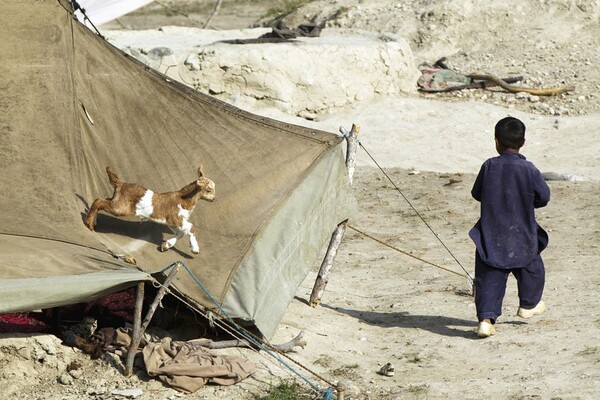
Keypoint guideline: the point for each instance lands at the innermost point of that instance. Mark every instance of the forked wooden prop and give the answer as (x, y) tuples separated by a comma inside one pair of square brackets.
[(338, 234)]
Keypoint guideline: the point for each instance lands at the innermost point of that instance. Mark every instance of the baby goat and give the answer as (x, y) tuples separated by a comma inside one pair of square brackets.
[(170, 208)]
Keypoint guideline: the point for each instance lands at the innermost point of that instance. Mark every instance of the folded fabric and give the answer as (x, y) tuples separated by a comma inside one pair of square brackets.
[(187, 368)]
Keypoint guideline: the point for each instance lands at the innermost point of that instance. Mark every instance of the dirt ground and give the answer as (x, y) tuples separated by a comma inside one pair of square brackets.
[(382, 306)]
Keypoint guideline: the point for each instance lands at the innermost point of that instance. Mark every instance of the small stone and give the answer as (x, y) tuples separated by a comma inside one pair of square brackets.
[(47, 343), (25, 353), (129, 393), (522, 95), (159, 52), (541, 106), (192, 62), (65, 379), (76, 373)]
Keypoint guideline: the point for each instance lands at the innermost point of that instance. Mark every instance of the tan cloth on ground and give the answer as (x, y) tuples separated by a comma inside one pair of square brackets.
[(187, 368)]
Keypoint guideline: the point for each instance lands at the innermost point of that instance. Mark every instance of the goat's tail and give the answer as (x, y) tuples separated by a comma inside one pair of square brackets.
[(112, 177)]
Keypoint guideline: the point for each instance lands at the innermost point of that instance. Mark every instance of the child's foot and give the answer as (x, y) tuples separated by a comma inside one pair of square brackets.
[(528, 313), (485, 329)]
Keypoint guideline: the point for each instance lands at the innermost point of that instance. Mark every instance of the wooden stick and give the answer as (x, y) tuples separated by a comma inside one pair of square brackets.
[(324, 271), (338, 234), (161, 293), (340, 389), (516, 89), (136, 334), (475, 84), (286, 347), (211, 16), (138, 330)]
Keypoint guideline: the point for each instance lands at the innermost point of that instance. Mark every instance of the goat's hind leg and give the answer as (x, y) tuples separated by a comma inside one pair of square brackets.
[(97, 205)]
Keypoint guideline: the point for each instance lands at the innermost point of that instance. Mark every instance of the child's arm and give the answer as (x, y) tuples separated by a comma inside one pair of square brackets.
[(541, 191), (478, 185)]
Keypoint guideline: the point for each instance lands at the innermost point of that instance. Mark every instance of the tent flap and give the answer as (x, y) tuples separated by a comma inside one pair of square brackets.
[(20, 295)]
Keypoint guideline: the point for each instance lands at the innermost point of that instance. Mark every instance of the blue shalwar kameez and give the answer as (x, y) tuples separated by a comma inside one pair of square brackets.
[(507, 237)]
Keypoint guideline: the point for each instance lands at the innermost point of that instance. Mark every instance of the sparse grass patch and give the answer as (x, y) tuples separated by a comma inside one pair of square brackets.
[(591, 352), (418, 390), (324, 360), (286, 390), (414, 358), (346, 371)]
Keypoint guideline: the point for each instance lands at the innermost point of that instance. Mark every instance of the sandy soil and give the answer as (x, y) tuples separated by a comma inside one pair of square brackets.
[(383, 306)]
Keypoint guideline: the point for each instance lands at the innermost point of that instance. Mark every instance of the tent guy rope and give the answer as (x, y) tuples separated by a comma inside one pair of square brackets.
[(403, 252), (420, 216), (239, 332)]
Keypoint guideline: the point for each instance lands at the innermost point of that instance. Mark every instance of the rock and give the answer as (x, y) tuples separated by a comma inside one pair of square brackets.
[(159, 52), (542, 107), (48, 343), (129, 393), (24, 352), (76, 373), (65, 379), (192, 62)]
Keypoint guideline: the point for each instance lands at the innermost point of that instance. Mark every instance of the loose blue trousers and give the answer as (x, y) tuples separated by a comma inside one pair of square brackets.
[(490, 286)]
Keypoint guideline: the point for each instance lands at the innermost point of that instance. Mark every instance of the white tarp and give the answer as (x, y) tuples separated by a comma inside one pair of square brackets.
[(102, 11)]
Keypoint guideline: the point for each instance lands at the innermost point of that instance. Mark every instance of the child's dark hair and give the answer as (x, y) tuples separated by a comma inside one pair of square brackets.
[(510, 133)]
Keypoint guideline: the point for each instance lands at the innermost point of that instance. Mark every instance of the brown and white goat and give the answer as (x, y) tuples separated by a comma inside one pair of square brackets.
[(170, 208)]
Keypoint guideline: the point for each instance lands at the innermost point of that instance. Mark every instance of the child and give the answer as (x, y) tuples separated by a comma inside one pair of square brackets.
[(507, 237)]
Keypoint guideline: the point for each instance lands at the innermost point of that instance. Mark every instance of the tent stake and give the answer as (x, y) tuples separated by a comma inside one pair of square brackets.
[(139, 329), (340, 389), (336, 237)]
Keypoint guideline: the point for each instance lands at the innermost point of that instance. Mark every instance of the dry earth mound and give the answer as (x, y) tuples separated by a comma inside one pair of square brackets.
[(548, 42)]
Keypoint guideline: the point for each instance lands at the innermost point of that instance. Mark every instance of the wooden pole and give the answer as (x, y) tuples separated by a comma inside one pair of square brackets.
[(161, 293), (338, 234), (138, 327), (340, 389), (211, 16), (135, 334)]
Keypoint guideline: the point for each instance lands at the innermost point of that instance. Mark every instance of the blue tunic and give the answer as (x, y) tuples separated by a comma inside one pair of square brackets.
[(509, 188)]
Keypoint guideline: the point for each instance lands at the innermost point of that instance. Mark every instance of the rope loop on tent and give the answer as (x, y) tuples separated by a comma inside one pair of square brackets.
[(75, 6), (250, 338), (418, 214)]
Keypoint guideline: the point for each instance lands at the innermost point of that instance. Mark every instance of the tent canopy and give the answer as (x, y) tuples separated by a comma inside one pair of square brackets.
[(72, 104)]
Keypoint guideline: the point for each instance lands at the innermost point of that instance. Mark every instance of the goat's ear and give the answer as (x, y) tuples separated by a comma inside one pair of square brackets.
[(200, 173)]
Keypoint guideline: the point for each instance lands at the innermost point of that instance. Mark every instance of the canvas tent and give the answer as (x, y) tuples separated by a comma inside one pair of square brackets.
[(72, 104)]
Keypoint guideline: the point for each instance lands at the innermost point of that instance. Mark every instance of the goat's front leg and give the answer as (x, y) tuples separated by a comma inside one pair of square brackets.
[(97, 205), (167, 244), (189, 230)]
